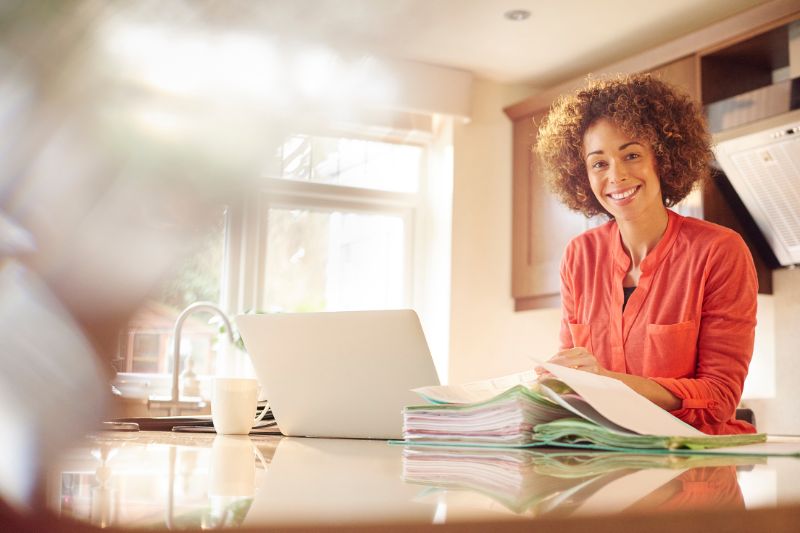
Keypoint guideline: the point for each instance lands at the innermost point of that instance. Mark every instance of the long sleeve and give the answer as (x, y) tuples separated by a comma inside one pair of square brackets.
[(725, 339)]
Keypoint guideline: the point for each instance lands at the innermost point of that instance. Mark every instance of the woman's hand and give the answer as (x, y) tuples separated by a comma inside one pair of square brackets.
[(578, 358), (582, 359)]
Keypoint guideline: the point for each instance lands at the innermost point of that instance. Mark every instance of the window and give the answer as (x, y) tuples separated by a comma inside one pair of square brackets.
[(145, 352), (352, 162), (318, 260), (337, 223), (356, 221)]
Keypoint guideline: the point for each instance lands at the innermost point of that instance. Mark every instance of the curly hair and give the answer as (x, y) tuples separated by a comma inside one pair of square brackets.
[(644, 107)]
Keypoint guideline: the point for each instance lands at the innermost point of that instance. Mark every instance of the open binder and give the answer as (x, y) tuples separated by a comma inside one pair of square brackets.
[(575, 409)]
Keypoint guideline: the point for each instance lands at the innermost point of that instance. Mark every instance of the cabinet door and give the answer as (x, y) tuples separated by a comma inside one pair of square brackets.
[(541, 225)]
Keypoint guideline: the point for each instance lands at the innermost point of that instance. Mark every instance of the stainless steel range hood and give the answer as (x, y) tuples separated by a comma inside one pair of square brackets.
[(762, 162), (757, 145)]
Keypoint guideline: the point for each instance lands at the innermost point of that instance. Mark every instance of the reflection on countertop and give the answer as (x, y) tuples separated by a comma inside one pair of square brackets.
[(580, 483), (160, 479), (178, 481)]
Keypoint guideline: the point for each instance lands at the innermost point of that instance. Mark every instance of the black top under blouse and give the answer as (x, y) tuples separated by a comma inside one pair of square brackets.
[(627, 291)]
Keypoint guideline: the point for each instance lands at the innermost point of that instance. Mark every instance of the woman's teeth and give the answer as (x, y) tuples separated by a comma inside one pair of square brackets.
[(624, 194)]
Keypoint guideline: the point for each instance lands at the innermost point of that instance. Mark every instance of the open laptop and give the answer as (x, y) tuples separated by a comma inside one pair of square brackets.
[(339, 374)]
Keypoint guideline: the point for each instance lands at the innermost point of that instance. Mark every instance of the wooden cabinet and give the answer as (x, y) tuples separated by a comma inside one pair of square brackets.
[(542, 226), (683, 73)]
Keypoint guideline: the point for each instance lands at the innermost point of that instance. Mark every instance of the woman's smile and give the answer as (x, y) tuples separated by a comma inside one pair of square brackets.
[(625, 196)]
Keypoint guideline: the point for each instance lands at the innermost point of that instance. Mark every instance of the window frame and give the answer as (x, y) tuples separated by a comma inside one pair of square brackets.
[(246, 240)]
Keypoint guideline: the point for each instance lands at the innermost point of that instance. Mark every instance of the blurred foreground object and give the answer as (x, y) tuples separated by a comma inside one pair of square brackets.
[(109, 165), (50, 385), (123, 127)]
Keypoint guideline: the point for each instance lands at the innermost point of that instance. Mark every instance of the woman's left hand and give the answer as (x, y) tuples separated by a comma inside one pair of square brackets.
[(578, 358)]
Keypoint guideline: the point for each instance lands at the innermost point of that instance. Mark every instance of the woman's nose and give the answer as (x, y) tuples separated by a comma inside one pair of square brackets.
[(617, 173)]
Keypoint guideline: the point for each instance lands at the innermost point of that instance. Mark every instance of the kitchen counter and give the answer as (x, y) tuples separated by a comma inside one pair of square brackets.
[(155, 480)]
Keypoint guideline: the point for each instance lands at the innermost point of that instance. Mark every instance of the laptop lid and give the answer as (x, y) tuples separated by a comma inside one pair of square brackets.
[(339, 374)]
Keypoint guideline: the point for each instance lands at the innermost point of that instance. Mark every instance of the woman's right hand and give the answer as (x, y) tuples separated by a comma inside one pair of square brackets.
[(578, 358)]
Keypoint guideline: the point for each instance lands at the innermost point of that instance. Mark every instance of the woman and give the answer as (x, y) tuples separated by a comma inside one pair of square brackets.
[(661, 302)]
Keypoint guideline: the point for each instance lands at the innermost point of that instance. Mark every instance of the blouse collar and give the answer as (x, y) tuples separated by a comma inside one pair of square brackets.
[(657, 254)]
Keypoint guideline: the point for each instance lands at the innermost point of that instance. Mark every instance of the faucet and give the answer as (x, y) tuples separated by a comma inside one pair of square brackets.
[(175, 404)]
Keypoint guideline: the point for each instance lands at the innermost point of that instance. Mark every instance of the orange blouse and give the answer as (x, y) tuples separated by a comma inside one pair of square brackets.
[(689, 325)]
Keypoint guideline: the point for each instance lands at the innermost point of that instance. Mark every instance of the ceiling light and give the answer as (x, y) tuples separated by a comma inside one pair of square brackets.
[(517, 14)]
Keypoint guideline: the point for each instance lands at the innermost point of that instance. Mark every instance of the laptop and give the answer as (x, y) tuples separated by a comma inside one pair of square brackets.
[(339, 374)]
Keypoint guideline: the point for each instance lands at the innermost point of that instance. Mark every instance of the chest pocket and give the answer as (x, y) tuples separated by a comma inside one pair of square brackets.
[(581, 336), (670, 350)]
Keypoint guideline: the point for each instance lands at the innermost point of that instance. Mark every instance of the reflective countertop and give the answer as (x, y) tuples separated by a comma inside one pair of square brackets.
[(177, 481)]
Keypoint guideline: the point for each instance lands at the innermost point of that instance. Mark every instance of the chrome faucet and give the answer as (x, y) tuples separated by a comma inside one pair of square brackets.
[(175, 404)]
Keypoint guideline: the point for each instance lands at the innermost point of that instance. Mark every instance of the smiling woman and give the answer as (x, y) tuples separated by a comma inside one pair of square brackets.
[(622, 173), (662, 302)]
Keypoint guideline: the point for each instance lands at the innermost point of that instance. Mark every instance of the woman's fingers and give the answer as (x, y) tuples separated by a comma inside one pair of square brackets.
[(578, 358), (571, 352), (572, 361)]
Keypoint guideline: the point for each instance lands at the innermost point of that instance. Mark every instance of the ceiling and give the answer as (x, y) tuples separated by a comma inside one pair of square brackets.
[(560, 40)]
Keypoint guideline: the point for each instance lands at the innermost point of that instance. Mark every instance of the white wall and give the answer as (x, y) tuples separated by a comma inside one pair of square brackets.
[(487, 338), (760, 382), (781, 414)]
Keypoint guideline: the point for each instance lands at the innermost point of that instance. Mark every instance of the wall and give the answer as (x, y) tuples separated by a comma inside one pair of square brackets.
[(487, 338), (781, 414)]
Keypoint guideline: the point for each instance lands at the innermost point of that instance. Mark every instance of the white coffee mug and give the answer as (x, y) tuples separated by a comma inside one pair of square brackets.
[(233, 405)]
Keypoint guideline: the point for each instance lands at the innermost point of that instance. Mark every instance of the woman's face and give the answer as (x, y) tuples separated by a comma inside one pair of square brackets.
[(622, 172)]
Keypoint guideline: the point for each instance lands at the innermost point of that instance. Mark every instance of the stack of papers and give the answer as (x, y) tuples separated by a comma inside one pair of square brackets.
[(574, 409), (508, 418)]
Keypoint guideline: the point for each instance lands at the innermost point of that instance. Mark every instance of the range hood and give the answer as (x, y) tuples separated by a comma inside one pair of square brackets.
[(757, 145), (762, 162)]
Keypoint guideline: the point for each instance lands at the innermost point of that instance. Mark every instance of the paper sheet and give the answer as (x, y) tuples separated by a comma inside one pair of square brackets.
[(580, 407), (476, 391), (621, 404)]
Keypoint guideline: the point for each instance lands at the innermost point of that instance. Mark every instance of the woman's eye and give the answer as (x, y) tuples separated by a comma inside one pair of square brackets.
[(632, 156), (598, 164)]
